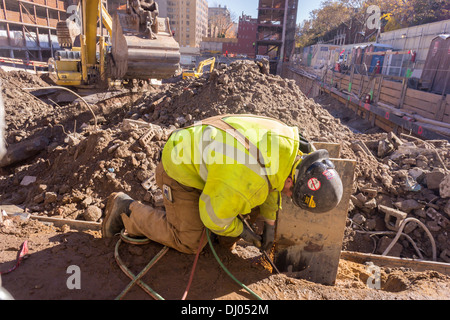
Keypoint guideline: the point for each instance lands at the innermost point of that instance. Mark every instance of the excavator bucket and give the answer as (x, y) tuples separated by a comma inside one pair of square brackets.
[(135, 55), (66, 31), (308, 245)]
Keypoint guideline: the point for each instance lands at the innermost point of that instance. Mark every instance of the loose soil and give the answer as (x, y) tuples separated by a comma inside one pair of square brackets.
[(78, 165)]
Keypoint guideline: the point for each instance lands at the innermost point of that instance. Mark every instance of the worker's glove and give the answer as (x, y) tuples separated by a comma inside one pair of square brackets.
[(251, 237), (268, 236)]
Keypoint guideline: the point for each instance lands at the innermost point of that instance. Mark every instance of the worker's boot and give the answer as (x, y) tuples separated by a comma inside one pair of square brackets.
[(117, 204)]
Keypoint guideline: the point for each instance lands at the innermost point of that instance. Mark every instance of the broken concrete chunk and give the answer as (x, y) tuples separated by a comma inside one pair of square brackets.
[(408, 205), (416, 173), (434, 179), (27, 180), (359, 219), (370, 192), (444, 187), (396, 141), (371, 204), (438, 218), (384, 148), (447, 208), (393, 218)]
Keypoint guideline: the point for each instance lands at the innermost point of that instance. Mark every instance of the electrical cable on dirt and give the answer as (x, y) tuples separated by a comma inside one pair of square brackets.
[(71, 91), (433, 244), (227, 271), (392, 232), (194, 265), (137, 279)]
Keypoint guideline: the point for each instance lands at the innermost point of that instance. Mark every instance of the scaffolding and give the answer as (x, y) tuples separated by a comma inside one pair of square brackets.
[(276, 31)]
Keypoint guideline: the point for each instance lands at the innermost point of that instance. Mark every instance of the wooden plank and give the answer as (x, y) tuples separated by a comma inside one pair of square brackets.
[(427, 106), (392, 85), (334, 149), (391, 92), (308, 245), (383, 124), (422, 95), (447, 106), (389, 100), (412, 109), (13, 210), (394, 262)]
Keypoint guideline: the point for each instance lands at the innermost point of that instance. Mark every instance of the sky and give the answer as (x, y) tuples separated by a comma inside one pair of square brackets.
[(249, 7)]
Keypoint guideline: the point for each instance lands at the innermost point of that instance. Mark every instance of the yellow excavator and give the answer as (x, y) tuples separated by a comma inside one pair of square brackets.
[(137, 44), (199, 71)]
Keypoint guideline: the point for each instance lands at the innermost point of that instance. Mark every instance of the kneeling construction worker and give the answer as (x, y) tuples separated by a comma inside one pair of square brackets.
[(220, 169)]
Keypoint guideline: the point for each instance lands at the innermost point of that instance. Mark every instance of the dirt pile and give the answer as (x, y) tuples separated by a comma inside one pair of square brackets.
[(76, 170)]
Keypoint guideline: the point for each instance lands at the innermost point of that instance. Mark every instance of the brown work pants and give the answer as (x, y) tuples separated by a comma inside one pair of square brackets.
[(178, 226)]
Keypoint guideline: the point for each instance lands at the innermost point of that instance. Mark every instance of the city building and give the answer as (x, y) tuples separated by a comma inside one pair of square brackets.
[(28, 28), (188, 20), (246, 38)]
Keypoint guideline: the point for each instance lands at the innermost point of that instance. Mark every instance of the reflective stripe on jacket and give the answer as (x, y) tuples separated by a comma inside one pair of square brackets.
[(231, 179)]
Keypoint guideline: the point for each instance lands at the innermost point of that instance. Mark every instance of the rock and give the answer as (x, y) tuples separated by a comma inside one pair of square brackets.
[(27, 180), (38, 198), (86, 202), (371, 224), (444, 187), (420, 212), (371, 204), (408, 205), (416, 173), (433, 226), (447, 208), (385, 242), (359, 219), (434, 179), (361, 197), (356, 202), (50, 197), (445, 255), (92, 213)]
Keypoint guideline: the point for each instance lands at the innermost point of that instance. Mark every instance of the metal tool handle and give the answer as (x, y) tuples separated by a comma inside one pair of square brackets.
[(260, 250)]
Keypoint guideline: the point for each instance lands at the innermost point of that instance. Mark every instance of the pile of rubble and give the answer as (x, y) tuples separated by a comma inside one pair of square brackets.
[(75, 170), (415, 184)]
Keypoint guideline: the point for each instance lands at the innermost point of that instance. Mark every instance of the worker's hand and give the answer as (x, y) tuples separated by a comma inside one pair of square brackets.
[(268, 236), (249, 236)]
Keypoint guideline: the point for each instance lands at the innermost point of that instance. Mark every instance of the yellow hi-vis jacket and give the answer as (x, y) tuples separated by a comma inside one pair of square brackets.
[(229, 174)]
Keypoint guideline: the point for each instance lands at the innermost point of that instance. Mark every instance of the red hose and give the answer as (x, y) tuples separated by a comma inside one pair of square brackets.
[(194, 265)]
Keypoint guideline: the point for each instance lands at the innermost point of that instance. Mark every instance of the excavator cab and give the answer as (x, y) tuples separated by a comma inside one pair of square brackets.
[(138, 45)]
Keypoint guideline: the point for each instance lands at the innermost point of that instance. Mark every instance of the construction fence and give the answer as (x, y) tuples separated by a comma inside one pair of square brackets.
[(385, 100)]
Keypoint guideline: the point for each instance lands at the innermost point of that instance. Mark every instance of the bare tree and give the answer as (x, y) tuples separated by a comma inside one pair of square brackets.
[(220, 22)]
